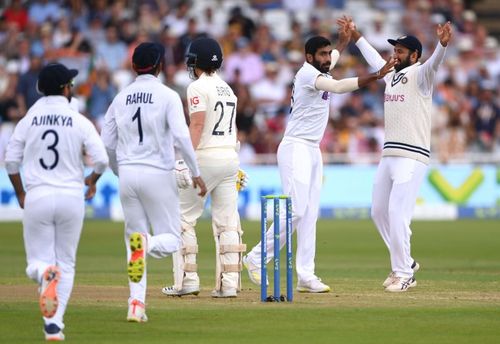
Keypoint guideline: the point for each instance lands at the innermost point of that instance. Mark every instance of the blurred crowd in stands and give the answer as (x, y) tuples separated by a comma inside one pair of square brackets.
[(263, 43)]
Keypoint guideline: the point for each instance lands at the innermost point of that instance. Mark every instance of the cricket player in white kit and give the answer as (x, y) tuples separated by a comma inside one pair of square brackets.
[(299, 156), (212, 111), (49, 143), (406, 151), (140, 128)]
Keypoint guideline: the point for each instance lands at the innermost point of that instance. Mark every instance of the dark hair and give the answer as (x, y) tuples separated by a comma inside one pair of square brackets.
[(53, 78), (147, 57), (315, 43)]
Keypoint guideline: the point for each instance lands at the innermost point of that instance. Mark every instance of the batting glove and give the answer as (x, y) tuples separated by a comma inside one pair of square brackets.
[(241, 180), (182, 175)]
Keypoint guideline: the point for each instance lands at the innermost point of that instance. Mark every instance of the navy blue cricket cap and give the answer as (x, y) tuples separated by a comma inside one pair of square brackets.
[(53, 77), (147, 56), (410, 42)]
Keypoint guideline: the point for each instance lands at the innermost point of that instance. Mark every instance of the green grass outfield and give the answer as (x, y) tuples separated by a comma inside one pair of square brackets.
[(457, 299)]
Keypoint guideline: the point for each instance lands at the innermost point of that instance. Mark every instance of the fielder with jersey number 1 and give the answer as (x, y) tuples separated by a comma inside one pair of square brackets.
[(49, 142), (299, 156), (406, 151), (140, 128)]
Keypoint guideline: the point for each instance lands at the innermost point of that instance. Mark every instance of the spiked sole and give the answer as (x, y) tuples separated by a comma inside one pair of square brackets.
[(137, 262), (48, 296)]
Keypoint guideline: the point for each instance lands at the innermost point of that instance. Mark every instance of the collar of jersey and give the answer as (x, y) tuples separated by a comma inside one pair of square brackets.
[(56, 100), (147, 77)]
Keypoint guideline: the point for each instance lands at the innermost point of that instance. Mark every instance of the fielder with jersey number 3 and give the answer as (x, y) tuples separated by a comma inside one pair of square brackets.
[(212, 112), (299, 156), (406, 151), (140, 128), (49, 142)]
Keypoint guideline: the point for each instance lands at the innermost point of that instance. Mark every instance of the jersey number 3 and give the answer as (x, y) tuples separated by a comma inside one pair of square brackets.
[(221, 106), (52, 148)]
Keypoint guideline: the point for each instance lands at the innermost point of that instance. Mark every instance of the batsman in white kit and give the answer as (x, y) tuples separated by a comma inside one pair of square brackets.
[(299, 156), (406, 151), (141, 125), (212, 111), (49, 143)]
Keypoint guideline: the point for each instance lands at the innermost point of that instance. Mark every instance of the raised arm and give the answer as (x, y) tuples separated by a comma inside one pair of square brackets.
[(369, 53), (429, 68)]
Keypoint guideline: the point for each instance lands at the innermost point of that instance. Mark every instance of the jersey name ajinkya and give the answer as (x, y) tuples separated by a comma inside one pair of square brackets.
[(59, 120), (139, 98)]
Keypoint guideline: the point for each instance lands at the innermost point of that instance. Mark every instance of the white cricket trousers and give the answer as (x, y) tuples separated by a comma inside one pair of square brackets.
[(150, 200), (395, 192), (52, 225), (220, 178), (301, 170)]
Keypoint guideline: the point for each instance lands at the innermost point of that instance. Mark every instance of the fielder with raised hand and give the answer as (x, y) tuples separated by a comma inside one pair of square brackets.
[(49, 142), (140, 128), (299, 156), (212, 111), (406, 152)]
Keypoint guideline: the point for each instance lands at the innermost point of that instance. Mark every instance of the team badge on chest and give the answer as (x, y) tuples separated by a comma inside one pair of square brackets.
[(399, 77)]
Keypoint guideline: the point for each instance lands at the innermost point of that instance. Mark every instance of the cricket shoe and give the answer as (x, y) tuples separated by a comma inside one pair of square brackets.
[(392, 276), (312, 286), (226, 293), (137, 263), (401, 284), (53, 333), (136, 312), (187, 290), (254, 272), (48, 291)]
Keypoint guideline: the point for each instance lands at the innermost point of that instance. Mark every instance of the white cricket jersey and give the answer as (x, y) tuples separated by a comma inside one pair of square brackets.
[(211, 94), (407, 104), (142, 123), (49, 142), (309, 106), (407, 116)]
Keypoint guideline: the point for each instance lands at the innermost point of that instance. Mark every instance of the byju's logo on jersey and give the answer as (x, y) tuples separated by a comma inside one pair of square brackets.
[(324, 96), (214, 58), (399, 77)]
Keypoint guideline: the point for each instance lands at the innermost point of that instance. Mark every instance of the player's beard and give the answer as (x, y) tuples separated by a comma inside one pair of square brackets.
[(323, 68), (403, 64)]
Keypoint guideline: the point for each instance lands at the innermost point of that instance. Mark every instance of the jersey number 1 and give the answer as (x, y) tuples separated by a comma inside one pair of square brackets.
[(139, 124), (217, 105)]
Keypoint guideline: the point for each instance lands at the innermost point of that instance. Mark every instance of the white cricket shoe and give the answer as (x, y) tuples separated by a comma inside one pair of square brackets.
[(187, 290), (48, 291), (401, 284), (392, 276), (230, 292), (254, 272), (53, 333), (389, 280), (312, 286), (415, 266), (136, 312)]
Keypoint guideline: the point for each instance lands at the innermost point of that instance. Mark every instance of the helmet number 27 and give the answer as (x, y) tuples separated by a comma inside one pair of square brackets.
[(220, 106)]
